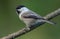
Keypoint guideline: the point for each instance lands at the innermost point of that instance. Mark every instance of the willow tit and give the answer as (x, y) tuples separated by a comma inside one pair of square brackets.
[(29, 17)]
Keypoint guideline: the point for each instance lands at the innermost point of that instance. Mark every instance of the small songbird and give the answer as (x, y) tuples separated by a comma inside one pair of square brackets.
[(29, 17)]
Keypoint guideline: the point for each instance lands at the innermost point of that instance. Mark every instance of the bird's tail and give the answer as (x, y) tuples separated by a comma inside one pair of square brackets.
[(50, 22)]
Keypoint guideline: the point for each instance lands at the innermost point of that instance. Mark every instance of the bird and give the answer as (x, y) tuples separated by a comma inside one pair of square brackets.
[(29, 17)]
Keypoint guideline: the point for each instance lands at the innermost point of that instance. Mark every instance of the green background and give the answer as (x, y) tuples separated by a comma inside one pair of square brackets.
[(10, 23)]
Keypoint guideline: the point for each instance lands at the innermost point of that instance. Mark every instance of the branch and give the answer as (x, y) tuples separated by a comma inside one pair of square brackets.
[(25, 30)]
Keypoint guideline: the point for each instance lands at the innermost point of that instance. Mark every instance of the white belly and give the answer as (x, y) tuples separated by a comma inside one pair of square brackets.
[(28, 21)]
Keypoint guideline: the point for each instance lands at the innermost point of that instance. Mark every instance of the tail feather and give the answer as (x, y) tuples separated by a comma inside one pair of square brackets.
[(50, 22)]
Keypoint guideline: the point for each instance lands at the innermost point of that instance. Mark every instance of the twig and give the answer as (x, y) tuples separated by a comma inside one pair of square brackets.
[(24, 30)]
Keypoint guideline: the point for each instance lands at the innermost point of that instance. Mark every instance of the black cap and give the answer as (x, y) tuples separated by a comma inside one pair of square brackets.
[(20, 6)]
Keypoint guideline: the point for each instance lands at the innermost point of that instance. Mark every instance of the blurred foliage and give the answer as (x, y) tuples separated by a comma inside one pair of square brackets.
[(9, 21)]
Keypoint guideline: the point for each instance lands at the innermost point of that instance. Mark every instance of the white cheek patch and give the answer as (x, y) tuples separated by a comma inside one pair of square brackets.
[(19, 9)]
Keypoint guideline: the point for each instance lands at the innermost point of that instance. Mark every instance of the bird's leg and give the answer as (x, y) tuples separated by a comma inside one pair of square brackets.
[(28, 27)]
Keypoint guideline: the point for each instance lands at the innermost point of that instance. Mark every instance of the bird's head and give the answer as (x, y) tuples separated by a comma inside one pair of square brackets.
[(19, 8)]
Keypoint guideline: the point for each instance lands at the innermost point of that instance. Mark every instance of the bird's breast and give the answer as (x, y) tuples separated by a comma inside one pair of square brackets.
[(27, 20)]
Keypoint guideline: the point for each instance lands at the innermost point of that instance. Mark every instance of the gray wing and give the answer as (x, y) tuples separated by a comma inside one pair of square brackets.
[(32, 15)]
